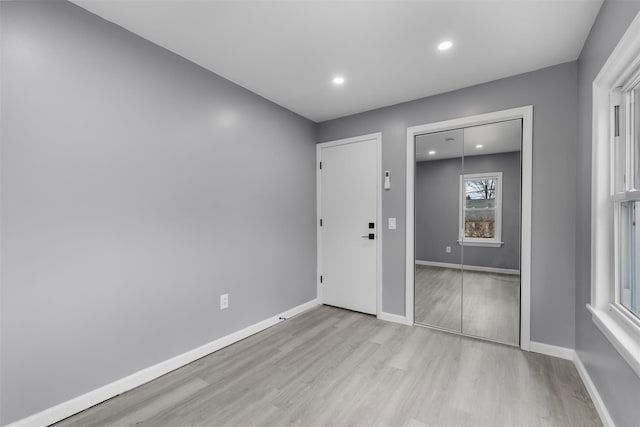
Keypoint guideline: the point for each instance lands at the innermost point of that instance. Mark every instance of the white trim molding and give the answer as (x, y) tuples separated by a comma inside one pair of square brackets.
[(572, 355), (619, 331), (469, 267), (492, 244), (526, 114), (80, 403), (552, 350), (395, 318), (378, 140), (617, 325), (601, 408)]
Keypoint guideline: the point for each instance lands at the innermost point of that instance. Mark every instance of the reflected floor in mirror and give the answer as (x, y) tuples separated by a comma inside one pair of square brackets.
[(491, 306), (438, 297), (490, 302)]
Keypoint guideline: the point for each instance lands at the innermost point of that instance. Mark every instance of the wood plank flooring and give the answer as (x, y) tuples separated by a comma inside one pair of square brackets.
[(476, 303), (333, 367)]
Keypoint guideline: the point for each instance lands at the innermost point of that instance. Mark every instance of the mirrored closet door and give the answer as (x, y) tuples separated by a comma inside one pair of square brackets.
[(438, 278), (467, 231)]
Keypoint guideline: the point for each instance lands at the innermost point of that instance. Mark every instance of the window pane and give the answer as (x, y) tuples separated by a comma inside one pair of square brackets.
[(480, 189), (636, 139), (480, 203), (629, 253), (480, 223)]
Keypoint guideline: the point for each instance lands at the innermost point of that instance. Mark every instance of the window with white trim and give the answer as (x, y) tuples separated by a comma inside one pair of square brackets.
[(626, 197), (615, 198), (481, 209)]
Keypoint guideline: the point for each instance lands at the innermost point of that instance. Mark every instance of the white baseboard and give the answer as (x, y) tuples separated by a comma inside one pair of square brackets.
[(571, 354), (605, 417), (469, 267), (552, 350), (395, 318), (80, 403)]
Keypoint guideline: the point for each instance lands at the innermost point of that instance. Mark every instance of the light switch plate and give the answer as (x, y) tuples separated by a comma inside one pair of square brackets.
[(392, 223)]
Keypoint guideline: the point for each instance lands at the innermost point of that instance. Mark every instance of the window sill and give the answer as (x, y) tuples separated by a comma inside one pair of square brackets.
[(493, 244), (621, 332)]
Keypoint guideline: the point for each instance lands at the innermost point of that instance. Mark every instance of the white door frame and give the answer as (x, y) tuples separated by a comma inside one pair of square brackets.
[(378, 141), (524, 113)]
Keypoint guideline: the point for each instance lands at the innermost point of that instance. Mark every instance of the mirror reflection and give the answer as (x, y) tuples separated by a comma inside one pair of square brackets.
[(467, 201), (438, 282)]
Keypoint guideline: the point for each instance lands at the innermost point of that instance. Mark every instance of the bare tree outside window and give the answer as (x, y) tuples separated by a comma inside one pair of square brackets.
[(481, 189)]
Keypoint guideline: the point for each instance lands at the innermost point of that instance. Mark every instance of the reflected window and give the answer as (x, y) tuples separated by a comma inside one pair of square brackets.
[(481, 209)]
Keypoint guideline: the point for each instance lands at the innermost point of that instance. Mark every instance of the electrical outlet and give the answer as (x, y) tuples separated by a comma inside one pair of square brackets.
[(448, 249), (224, 301)]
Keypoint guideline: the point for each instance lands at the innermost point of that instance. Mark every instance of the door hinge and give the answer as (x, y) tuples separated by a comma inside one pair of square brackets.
[(320, 279), (320, 222), (320, 165)]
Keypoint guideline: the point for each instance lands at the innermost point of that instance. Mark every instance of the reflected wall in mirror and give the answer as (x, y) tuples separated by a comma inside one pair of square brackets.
[(468, 231), (438, 290)]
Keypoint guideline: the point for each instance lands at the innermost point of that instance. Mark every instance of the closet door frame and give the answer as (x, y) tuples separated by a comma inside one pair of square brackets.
[(526, 115)]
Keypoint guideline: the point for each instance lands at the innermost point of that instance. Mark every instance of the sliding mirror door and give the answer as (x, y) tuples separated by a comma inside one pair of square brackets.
[(467, 230), (489, 216), (438, 276)]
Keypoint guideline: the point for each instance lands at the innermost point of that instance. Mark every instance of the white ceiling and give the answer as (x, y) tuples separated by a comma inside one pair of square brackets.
[(501, 137), (289, 51)]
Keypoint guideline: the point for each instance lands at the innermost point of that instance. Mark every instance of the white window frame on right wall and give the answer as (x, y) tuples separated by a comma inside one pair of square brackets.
[(620, 327)]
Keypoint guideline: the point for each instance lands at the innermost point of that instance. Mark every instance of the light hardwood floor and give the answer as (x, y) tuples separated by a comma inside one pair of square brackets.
[(333, 367), (477, 303)]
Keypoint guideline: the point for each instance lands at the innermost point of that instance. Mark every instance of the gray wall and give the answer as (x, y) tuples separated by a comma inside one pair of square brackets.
[(553, 93), (617, 383), (437, 203), (136, 188)]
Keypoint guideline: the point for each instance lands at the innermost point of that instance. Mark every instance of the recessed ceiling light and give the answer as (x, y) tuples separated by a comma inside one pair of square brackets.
[(338, 80), (431, 153), (445, 45), (479, 146)]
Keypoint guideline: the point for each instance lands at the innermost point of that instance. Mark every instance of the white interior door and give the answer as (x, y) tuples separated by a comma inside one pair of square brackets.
[(349, 230)]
